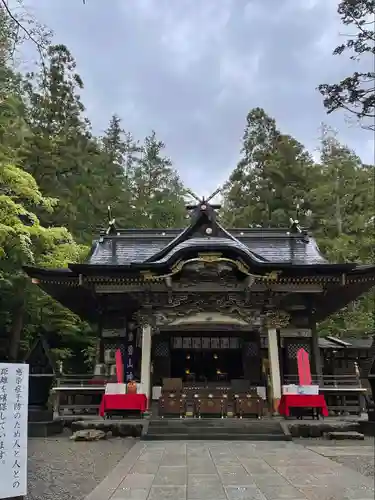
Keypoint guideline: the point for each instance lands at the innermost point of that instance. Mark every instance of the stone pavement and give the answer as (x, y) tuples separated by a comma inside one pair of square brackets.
[(219, 470)]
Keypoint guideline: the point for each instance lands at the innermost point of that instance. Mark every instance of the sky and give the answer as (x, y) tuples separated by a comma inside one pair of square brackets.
[(192, 70)]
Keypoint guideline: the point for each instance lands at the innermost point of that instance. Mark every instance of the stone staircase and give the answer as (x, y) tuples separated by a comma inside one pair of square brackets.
[(207, 429)]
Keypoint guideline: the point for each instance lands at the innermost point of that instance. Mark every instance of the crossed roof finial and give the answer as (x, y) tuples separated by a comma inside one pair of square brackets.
[(202, 200), (111, 222)]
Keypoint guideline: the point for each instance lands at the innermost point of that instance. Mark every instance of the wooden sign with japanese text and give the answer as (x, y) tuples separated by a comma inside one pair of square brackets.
[(14, 395)]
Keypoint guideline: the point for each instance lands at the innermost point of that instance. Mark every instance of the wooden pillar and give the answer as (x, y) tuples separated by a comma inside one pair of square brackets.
[(274, 364), (99, 367), (146, 361), (315, 351), (100, 359)]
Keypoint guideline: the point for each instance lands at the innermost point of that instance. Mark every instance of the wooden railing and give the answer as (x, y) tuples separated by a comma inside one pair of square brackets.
[(80, 380), (328, 381), (78, 393), (343, 393)]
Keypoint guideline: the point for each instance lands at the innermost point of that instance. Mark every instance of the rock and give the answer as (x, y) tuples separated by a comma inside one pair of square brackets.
[(88, 435), (118, 429), (79, 425), (353, 435), (306, 429)]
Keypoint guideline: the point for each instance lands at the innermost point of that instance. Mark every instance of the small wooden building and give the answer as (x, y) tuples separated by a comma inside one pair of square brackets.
[(207, 304)]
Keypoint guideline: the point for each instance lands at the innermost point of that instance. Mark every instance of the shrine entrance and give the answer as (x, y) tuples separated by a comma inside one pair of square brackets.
[(206, 359)]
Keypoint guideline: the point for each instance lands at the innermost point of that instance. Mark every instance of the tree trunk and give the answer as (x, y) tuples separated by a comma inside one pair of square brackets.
[(16, 330)]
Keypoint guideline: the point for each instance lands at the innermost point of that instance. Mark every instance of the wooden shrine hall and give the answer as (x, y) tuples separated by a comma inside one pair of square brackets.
[(207, 306)]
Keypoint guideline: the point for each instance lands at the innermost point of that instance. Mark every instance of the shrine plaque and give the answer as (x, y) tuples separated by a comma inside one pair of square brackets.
[(215, 343), (197, 342), (206, 342), (234, 343), (177, 342), (14, 386), (186, 343), (224, 343)]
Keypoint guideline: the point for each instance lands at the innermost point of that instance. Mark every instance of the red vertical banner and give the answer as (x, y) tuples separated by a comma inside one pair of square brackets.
[(304, 371), (119, 367)]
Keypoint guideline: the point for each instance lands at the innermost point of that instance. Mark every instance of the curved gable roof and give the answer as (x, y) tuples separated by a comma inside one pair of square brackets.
[(260, 246)]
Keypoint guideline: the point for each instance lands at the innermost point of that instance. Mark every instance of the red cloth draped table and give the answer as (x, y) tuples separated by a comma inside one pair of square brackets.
[(289, 401), (118, 402)]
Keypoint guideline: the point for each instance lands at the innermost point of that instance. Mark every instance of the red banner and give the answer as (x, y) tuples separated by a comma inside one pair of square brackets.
[(304, 372), (119, 367)]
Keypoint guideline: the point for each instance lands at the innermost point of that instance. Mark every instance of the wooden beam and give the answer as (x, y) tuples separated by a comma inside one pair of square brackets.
[(206, 287)]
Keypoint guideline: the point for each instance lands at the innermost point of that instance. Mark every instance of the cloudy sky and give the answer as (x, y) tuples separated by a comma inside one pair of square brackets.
[(192, 69)]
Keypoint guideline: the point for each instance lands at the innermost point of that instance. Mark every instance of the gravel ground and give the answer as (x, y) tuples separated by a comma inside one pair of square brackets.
[(60, 469), (356, 455), (363, 465)]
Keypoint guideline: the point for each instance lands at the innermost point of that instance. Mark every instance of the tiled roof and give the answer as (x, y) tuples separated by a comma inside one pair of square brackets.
[(212, 243), (327, 344), (358, 342), (263, 246)]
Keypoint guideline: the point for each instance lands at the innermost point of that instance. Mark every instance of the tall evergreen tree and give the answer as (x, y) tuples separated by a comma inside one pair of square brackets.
[(157, 191), (120, 154), (271, 179), (344, 202), (62, 153)]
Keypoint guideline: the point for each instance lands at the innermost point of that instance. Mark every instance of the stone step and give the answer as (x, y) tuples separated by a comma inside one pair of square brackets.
[(214, 437), (45, 429), (215, 429), (224, 422), (210, 430), (241, 424)]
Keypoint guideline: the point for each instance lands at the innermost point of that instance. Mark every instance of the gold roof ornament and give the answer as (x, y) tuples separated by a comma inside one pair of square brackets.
[(210, 258), (276, 319)]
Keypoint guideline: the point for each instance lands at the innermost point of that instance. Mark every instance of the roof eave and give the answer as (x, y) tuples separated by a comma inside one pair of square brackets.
[(340, 297), (41, 272)]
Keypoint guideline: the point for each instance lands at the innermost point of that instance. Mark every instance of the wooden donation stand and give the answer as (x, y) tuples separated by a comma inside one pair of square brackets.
[(14, 394), (304, 397), (181, 400)]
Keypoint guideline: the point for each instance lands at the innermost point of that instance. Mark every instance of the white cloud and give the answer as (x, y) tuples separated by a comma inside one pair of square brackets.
[(191, 33), (192, 69), (238, 74)]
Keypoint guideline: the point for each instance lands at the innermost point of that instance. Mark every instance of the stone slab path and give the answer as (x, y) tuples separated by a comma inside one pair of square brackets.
[(219, 470)]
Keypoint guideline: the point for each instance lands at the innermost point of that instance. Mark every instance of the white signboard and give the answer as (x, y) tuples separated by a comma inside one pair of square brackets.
[(14, 395)]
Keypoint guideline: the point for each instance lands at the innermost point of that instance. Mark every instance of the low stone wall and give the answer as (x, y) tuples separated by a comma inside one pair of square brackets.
[(367, 428), (315, 429), (118, 428)]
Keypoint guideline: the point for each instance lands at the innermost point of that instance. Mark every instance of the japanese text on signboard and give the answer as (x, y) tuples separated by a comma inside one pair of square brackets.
[(13, 429)]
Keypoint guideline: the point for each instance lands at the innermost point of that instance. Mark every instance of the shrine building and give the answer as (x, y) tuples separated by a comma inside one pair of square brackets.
[(206, 304)]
